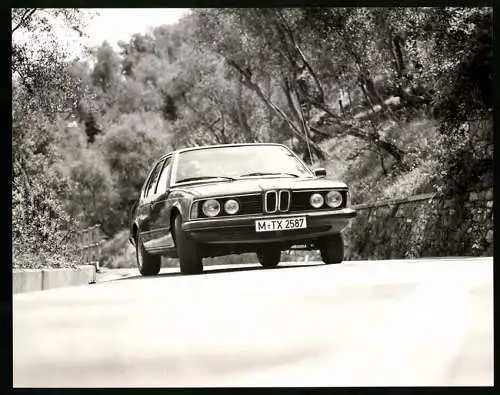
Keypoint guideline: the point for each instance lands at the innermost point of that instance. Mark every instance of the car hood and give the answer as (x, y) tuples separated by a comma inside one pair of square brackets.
[(257, 185)]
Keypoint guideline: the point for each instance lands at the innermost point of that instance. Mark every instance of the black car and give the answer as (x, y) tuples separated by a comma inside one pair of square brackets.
[(235, 198)]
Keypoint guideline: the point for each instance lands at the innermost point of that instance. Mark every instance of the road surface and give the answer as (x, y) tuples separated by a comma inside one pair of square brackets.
[(379, 323)]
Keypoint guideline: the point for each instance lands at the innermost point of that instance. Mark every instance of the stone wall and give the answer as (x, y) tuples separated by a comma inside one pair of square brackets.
[(422, 226)]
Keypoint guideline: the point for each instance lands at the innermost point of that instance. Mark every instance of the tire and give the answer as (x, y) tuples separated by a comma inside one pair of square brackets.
[(269, 257), (148, 264), (332, 249), (190, 260)]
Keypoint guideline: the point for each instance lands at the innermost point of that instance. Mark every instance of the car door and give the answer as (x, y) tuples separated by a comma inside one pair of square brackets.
[(159, 236), (146, 203)]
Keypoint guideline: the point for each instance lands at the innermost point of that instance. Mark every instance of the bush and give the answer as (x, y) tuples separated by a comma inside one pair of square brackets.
[(373, 176), (42, 230), (464, 106), (41, 226), (418, 180), (117, 252), (94, 194)]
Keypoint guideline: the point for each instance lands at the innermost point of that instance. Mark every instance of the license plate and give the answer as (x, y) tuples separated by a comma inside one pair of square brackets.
[(279, 224)]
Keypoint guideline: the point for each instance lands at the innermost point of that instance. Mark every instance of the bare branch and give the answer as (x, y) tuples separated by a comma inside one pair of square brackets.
[(208, 125), (26, 84), (255, 87), (290, 34), (287, 90), (25, 18)]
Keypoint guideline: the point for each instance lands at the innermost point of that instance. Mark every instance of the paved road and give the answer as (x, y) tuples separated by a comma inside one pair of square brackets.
[(421, 322)]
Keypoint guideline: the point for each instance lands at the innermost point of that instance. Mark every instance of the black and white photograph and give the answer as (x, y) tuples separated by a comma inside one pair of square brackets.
[(252, 197)]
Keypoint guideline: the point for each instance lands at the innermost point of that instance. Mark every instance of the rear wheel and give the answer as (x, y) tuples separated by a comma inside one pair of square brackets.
[(190, 260), (148, 264), (269, 257), (332, 249)]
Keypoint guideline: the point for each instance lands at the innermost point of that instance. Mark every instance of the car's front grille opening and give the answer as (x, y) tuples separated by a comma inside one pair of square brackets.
[(271, 202), (300, 201), (284, 200), (251, 204)]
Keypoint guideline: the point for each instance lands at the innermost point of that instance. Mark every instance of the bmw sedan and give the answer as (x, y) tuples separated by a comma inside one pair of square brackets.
[(236, 198)]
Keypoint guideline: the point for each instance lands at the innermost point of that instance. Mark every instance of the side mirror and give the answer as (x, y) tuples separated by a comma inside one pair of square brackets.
[(320, 172)]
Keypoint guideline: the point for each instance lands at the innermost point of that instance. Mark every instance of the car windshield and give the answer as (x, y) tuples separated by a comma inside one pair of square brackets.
[(238, 161)]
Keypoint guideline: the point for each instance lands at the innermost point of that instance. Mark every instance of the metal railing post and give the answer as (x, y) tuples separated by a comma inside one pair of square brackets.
[(90, 246)]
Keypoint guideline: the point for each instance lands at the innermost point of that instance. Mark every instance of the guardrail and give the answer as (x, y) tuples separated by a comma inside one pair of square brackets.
[(424, 196), (91, 240)]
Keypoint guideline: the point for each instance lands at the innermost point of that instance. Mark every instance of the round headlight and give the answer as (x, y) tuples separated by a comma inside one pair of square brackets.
[(316, 200), (231, 206), (211, 208), (333, 199)]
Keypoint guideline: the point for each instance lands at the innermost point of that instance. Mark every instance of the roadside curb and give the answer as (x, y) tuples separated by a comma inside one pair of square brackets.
[(28, 280)]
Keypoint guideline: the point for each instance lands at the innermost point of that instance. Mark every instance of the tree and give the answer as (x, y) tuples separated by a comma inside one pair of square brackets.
[(130, 147), (264, 43), (464, 100), (45, 95)]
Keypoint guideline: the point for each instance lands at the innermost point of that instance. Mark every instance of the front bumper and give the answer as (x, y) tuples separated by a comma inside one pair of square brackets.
[(241, 230)]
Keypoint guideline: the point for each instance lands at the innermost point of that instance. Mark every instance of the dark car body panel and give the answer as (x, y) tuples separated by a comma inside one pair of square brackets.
[(152, 217)]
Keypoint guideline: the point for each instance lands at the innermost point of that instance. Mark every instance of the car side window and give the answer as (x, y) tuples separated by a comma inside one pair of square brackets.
[(161, 187), (150, 188)]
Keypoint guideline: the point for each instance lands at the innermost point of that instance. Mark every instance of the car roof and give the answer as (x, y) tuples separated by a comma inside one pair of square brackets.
[(221, 146)]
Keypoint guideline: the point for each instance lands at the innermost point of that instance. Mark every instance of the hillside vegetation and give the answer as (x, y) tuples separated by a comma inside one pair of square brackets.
[(394, 101)]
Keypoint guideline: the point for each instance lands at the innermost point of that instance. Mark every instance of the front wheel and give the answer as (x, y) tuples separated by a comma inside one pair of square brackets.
[(332, 249), (148, 264), (190, 260), (269, 257)]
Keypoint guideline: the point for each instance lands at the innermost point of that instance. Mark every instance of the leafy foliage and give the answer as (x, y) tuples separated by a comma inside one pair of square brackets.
[(130, 147), (45, 93)]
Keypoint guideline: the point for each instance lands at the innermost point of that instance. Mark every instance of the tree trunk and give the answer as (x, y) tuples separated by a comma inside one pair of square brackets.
[(25, 18), (303, 124), (381, 156), (242, 117), (390, 148), (220, 136), (372, 90), (255, 87), (367, 96), (272, 136), (396, 152), (365, 76), (287, 90), (350, 100), (398, 43)]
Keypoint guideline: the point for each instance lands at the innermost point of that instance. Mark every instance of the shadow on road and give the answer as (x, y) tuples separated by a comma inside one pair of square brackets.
[(215, 271)]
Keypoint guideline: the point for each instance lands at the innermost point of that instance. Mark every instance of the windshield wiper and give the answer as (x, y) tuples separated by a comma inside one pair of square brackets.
[(205, 178), (268, 174)]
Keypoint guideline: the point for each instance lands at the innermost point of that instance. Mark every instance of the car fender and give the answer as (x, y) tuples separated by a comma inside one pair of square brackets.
[(180, 207), (182, 202), (131, 237)]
